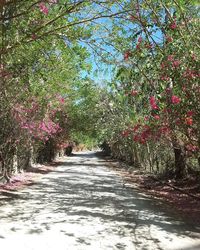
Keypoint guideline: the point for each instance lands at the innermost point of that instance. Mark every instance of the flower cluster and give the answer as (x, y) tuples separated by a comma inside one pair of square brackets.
[(153, 103), (38, 125), (175, 99), (127, 54), (43, 8)]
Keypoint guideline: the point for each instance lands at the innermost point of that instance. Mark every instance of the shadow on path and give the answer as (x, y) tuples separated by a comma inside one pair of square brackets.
[(84, 205)]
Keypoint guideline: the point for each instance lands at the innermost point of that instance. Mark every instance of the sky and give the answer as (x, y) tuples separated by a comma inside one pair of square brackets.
[(102, 72)]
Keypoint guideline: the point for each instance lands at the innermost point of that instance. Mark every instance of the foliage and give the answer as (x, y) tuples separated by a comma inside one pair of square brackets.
[(159, 80), (152, 103)]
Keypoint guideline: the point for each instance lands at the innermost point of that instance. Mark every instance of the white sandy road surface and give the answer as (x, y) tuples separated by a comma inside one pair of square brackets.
[(83, 205)]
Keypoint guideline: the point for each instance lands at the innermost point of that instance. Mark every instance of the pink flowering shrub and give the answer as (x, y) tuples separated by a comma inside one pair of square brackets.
[(153, 103), (43, 8), (38, 125), (176, 99), (166, 74)]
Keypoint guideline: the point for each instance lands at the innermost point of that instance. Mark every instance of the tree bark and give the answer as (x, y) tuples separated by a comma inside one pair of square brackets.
[(180, 160)]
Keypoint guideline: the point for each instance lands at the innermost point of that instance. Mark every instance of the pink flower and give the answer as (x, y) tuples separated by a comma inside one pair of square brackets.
[(125, 133), (134, 92), (170, 58), (62, 100), (192, 148), (140, 39), (164, 130), (178, 121), (162, 65), (189, 121), (165, 78), (43, 127), (138, 46), (156, 117), (127, 54), (136, 138), (176, 63), (136, 127), (25, 126), (194, 57), (34, 37), (175, 99), (43, 8), (190, 113), (173, 25), (168, 90), (46, 138), (153, 104), (17, 141)]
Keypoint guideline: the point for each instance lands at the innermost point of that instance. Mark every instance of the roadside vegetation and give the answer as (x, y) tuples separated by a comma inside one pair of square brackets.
[(147, 115)]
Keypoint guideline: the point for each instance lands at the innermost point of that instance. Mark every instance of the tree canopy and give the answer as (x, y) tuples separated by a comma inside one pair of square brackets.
[(148, 113)]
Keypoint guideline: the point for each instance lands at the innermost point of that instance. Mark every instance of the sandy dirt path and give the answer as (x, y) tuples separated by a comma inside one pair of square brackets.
[(83, 205)]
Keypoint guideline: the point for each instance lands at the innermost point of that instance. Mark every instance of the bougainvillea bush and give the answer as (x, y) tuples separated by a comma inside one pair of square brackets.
[(153, 105), (37, 70), (42, 59), (163, 91)]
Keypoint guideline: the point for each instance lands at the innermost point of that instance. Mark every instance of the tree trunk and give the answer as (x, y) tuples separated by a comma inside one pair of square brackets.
[(180, 161)]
